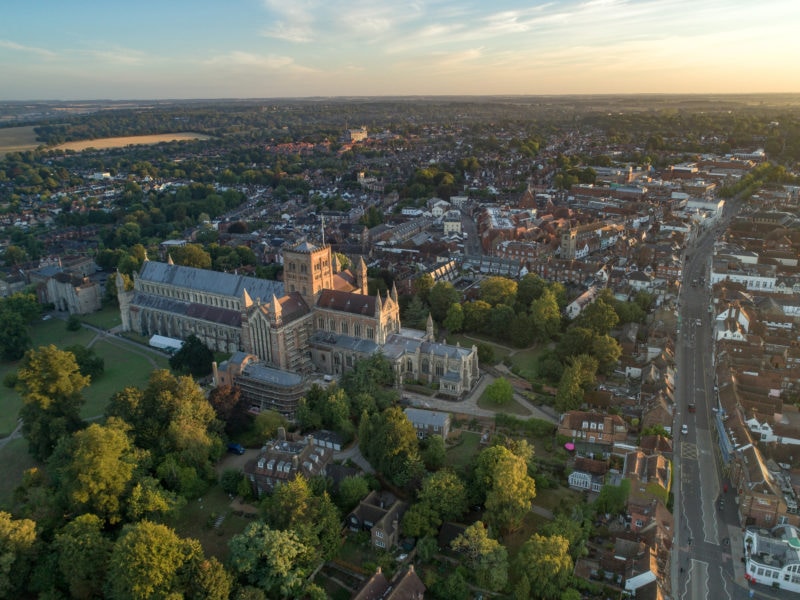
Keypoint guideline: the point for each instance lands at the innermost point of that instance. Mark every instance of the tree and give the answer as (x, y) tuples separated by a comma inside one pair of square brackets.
[(546, 563), (442, 296), (88, 362), (351, 491), (146, 562), (498, 290), (606, 350), (485, 557), (275, 561), (578, 376), (18, 550), (599, 316), (575, 528), (500, 391), (500, 319), (315, 519), (612, 499), (194, 358), (416, 313), (74, 323), (230, 408), (389, 442), (208, 580), (50, 384), (99, 472), (433, 452), (454, 321), (502, 477), (149, 500), (14, 336), (529, 288), (445, 493), (476, 316), (546, 316), (422, 286), (14, 255), (83, 554), (191, 255), (267, 422), (421, 520)]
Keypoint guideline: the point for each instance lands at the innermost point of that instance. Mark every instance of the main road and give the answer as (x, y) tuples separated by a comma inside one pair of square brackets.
[(707, 538)]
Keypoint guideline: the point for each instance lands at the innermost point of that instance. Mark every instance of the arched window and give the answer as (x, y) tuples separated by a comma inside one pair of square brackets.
[(344, 328), (409, 366), (425, 367), (357, 330)]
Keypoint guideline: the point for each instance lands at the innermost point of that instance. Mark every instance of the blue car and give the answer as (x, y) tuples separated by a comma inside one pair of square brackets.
[(235, 448)]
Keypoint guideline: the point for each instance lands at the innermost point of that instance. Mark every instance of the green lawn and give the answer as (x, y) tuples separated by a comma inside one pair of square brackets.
[(10, 402), (16, 461), (500, 352), (464, 453), (530, 525), (124, 367), (107, 318), (197, 521), (511, 408), (558, 499), (524, 362), (54, 331)]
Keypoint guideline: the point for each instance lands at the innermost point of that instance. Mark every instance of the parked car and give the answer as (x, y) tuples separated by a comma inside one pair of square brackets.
[(234, 448)]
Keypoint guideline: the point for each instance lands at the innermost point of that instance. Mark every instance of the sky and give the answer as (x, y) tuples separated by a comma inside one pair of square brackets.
[(146, 49)]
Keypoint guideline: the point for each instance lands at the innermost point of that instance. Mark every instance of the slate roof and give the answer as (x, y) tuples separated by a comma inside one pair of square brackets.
[(262, 372), (213, 282), (398, 344), (214, 314), (357, 304)]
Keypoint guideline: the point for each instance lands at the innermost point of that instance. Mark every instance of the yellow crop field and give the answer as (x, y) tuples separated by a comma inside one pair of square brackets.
[(133, 140)]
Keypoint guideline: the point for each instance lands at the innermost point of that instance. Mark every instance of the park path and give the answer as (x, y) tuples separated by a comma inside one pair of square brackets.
[(110, 337)]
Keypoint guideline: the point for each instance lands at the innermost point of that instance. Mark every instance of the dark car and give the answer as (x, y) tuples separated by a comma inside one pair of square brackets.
[(692, 408), (235, 448)]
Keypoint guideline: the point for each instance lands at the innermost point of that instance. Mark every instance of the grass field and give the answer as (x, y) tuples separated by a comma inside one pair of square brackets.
[(133, 140), (107, 318), (197, 521), (17, 139), (464, 453), (500, 352), (525, 362), (14, 455), (510, 408), (123, 368)]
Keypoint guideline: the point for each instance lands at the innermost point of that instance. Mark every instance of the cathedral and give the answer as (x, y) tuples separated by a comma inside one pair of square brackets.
[(320, 319)]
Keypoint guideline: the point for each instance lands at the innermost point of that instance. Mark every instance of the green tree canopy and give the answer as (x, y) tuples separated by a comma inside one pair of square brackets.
[(546, 563), (99, 473), (18, 551), (442, 296), (149, 560), (273, 560), (83, 555), (445, 493), (485, 557), (194, 358), (498, 290), (50, 384), (500, 391)]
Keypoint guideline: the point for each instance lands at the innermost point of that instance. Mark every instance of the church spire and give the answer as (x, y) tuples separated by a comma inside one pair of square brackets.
[(429, 328), (277, 309), (169, 259), (361, 276), (394, 292)]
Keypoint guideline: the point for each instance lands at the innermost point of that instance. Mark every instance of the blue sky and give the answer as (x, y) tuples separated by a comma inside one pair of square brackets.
[(87, 49)]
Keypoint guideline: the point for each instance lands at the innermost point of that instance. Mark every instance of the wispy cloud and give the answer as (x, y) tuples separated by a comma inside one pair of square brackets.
[(269, 62), (294, 20), (122, 56), (43, 52)]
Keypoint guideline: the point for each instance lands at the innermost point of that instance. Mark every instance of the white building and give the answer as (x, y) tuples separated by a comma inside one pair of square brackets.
[(773, 558)]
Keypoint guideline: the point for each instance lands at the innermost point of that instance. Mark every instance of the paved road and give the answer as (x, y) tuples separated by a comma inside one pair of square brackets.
[(707, 543)]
